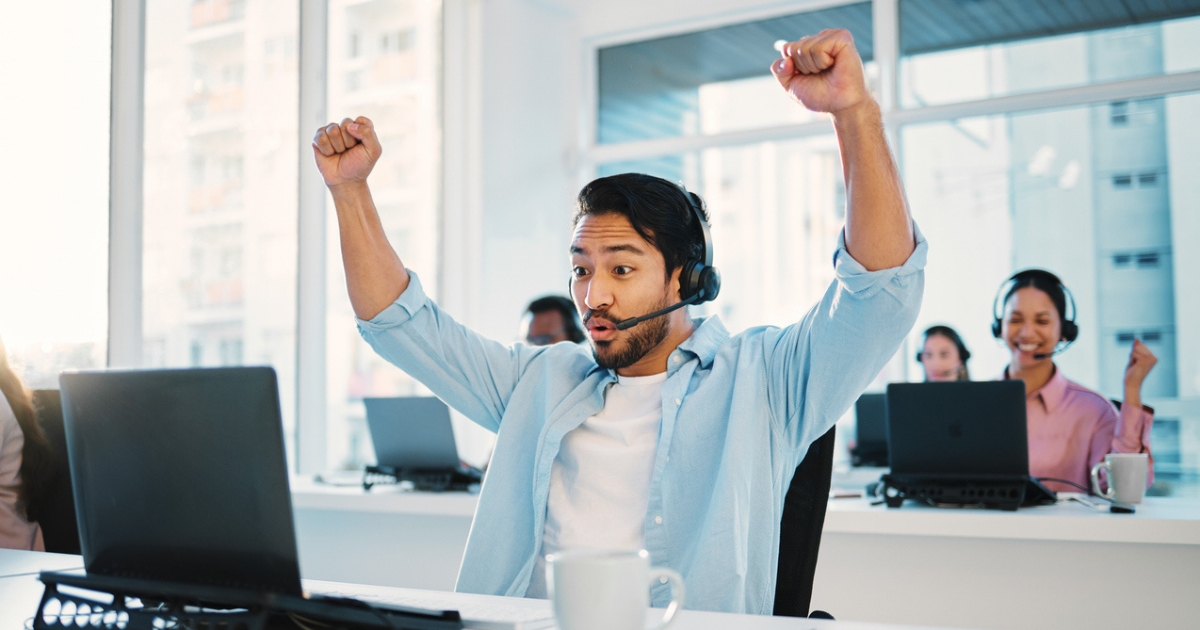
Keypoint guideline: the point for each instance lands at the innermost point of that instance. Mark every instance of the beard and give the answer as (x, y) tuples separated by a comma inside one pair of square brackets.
[(643, 338)]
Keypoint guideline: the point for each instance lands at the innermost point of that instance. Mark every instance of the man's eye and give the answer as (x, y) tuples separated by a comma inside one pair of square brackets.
[(622, 270), (579, 272)]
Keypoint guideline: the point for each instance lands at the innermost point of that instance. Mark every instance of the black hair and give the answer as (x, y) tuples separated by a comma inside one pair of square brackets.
[(566, 308), (656, 208), (37, 455), (964, 355), (1043, 281)]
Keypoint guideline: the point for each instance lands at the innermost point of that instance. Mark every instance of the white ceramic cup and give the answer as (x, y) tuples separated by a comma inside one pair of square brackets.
[(1126, 476), (607, 590)]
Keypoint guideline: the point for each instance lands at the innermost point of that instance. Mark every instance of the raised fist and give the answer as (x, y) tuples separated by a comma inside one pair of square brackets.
[(823, 72), (346, 153)]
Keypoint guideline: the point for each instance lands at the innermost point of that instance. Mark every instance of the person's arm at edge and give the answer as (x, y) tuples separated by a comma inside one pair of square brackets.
[(824, 73), (1135, 420), (375, 276)]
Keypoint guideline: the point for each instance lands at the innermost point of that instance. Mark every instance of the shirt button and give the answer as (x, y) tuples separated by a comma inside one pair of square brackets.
[(658, 520), (678, 358), (677, 402), (662, 580)]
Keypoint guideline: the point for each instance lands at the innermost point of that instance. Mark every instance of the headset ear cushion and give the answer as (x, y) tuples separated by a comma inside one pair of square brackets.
[(996, 329), (919, 354), (710, 283), (1070, 330), (689, 282)]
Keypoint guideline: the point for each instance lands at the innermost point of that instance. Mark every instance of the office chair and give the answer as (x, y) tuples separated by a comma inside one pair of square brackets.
[(60, 531), (800, 528)]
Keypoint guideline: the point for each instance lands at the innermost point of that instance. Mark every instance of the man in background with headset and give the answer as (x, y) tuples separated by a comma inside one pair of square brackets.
[(667, 434)]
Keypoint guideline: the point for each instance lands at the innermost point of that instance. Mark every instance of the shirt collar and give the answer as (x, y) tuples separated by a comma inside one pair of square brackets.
[(1052, 393), (706, 340)]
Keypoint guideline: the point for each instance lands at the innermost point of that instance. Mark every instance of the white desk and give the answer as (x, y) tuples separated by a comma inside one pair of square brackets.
[(1046, 567), (19, 597)]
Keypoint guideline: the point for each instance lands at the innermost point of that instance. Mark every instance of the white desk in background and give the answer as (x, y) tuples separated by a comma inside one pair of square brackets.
[(19, 597), (1045, 567)]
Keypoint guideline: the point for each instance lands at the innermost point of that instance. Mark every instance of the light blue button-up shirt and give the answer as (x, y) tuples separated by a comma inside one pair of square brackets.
[(739, 413)]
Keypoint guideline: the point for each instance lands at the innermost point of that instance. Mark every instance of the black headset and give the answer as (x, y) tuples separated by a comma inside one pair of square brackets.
[(1070, 329), (964, 355), (699, 278)]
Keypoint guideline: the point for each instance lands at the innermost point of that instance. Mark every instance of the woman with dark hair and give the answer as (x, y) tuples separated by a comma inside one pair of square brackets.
[(26, 463), (1071, 428), (944, 355)]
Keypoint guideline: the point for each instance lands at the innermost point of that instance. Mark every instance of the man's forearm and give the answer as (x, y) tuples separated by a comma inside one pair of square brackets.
[(879, 232), (375, 277)]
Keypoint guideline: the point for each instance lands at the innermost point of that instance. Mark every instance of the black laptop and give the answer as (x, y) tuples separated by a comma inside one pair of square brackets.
[(181, 491), (871, 446), (960, 443), (411, 432), (414, 441)]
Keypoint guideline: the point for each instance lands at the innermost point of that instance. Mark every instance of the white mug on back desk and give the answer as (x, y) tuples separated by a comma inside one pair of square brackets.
[(1126, 474), (607, 590)]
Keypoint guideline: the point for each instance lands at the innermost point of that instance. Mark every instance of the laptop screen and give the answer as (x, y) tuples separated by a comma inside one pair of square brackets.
[(180, 475), (959, 428), (412, 433)]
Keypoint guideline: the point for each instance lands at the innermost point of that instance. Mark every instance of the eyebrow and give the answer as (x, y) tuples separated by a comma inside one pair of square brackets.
[(633, 249)]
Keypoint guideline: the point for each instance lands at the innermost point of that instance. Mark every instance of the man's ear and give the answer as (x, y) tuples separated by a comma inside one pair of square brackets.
[(673, 283)]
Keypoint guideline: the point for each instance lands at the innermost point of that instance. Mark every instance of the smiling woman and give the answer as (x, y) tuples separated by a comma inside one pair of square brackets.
[(53, 248)]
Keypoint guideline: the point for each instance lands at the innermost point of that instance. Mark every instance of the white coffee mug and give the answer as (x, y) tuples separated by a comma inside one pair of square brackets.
[(607, 590), (1126, 474)]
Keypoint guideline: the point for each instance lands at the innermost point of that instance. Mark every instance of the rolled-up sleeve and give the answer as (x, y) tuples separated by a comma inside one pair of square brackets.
[(819, 365)]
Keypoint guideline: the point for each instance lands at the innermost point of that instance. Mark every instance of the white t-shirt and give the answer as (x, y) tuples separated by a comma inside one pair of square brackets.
[(600, 480), (15, 531)]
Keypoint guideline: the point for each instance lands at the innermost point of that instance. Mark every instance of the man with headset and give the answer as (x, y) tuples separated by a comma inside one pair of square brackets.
[(667, 433)]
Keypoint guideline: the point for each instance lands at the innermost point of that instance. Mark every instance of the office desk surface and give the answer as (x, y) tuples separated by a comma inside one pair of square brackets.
[(915, 564), (1157, 520), (20, 594)]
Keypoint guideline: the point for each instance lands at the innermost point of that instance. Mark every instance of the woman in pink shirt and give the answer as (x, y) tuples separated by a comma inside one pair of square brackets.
[(1071, 428)]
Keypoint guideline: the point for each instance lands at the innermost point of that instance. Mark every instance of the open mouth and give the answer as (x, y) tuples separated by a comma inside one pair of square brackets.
[(601, 329)]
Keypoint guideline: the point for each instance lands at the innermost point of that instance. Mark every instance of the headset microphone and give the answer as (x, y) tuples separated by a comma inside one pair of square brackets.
[(634, 321), (1046, 355)]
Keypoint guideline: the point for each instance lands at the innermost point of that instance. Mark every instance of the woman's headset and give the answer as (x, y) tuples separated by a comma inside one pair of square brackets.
[(964, 355), (1031, 277)]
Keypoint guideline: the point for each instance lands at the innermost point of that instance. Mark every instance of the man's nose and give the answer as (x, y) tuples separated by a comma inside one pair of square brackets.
[(598, 294)]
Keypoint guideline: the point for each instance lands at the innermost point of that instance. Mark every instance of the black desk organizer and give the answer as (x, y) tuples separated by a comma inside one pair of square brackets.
[(431, 480), (112, 603)]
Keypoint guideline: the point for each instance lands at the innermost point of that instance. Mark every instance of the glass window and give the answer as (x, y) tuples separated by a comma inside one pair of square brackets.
[(220, 187), (1067, 191), (984, 67), (697, 83), (384, 63), (54, 231)]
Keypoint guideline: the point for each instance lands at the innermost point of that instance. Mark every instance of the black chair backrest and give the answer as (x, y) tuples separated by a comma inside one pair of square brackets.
[(800, 528), (60, 530)]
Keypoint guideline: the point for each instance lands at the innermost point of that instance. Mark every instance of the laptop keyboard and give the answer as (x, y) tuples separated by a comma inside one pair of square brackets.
[(477, 611)]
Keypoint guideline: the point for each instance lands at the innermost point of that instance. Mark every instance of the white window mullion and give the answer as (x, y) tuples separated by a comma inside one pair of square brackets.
[(310, 268), (125, 184)]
